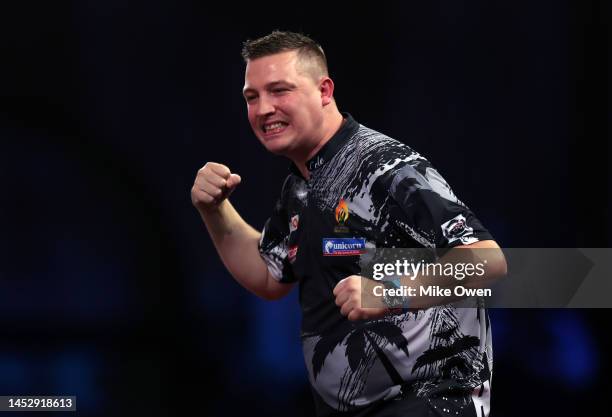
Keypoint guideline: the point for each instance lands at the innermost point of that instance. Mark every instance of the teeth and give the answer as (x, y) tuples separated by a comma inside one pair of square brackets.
[(273, 126)]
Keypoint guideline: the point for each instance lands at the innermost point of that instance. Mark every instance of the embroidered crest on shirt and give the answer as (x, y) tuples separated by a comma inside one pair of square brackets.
[(342, 215)]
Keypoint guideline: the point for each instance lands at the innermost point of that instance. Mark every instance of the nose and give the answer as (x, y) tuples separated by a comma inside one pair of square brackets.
[(265, 106)]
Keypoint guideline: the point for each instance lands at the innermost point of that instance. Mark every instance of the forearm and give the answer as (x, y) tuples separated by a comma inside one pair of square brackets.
[(431, 287), (486, 253), (236, 241), (237, 244)]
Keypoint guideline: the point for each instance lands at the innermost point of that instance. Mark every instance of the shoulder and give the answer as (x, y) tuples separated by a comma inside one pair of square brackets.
[(383, 149), (384, 156), (293, 187)]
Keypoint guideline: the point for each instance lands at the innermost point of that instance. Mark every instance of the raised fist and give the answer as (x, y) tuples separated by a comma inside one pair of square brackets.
[(213, 184)]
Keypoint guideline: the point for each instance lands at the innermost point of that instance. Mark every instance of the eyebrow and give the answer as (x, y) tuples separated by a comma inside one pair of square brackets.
[(269, 86)]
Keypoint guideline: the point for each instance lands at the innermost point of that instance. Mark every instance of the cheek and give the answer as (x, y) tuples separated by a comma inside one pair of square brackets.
[(251, 116)]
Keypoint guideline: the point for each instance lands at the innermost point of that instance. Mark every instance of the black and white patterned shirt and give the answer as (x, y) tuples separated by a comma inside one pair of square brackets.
[(368, 190)]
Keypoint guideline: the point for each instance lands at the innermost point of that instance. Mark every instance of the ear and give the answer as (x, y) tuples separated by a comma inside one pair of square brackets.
[(326, 86)]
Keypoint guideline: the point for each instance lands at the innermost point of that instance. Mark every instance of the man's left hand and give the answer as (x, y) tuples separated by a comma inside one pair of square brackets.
[(348, 298)]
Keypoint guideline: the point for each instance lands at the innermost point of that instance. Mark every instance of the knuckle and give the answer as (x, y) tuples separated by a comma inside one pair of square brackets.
[(203, 174)]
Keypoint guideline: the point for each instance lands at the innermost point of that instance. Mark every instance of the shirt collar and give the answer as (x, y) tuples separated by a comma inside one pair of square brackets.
[(331, 148)]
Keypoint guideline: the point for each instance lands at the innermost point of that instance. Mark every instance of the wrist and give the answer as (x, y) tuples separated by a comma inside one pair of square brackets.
[(395, 303), (211, 210)]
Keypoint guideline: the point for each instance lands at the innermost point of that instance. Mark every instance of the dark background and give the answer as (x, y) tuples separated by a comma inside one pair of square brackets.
[(110, 288)]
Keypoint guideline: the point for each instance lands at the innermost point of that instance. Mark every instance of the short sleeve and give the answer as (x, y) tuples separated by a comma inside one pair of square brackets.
[(430, 209), (274, 242)]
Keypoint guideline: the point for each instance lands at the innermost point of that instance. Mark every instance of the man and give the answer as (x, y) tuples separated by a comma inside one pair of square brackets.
[(349, 187)]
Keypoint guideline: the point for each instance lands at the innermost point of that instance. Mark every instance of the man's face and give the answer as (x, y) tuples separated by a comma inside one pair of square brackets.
[(284, 104)]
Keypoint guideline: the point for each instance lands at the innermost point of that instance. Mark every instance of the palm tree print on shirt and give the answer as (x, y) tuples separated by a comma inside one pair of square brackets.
[(364, 342), (452, 355)]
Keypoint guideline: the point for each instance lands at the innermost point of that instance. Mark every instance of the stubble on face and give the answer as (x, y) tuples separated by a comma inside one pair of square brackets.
[(283, 111)]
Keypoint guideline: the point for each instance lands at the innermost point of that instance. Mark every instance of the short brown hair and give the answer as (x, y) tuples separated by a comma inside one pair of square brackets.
[(281, 41)]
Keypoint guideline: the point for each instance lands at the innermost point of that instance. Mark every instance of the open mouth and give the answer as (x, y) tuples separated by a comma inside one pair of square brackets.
[(274, 127)]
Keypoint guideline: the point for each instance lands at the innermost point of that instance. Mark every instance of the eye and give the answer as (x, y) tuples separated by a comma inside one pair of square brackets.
[(280, 90), (249, 99)]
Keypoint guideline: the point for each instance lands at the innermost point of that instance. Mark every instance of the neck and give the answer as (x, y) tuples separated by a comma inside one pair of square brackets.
[(332, 126)]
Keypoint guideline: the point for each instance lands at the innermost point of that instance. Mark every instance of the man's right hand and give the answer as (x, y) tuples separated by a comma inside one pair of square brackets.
[(213, 184), (236, 241)]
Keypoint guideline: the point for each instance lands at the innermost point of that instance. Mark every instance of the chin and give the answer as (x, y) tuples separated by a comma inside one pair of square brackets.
[(277, 146), (278, 150)]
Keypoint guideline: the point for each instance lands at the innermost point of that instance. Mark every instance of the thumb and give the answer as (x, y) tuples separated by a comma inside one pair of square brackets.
[(233, 181)]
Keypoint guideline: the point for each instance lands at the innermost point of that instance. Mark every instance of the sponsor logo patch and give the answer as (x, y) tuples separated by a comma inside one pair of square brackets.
[(457, 229), (293, 224), (342, 215), (343, 246), (292, 253)]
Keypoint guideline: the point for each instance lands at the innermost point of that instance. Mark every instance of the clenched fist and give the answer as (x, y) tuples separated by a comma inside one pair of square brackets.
[(213, 184), (348, 298)]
